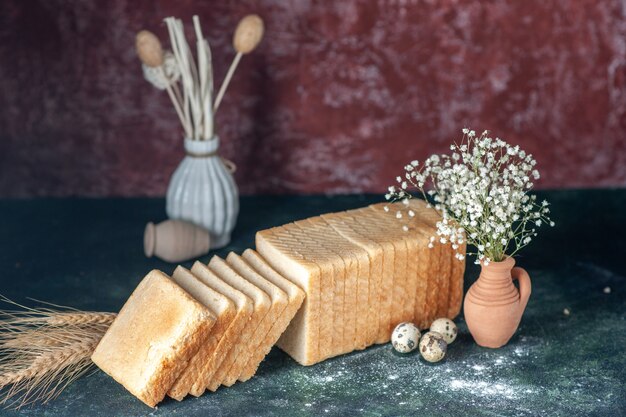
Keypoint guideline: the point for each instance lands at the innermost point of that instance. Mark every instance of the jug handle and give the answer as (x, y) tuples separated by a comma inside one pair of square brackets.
[(524, 285)]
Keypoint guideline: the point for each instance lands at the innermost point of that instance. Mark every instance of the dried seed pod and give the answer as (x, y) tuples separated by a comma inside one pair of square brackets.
[(149, 49), (248, 34)]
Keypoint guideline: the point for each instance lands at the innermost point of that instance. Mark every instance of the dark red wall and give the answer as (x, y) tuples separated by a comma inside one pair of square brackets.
[(337, 98)]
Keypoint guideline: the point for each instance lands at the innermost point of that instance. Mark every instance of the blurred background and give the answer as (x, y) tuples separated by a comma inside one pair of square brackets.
[(336, 99)]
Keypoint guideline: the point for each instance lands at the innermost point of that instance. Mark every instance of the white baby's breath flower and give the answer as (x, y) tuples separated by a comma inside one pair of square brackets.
[(480, 192)]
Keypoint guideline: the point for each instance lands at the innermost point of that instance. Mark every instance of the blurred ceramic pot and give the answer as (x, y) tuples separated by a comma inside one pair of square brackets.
[(175, 241), (202, 191)]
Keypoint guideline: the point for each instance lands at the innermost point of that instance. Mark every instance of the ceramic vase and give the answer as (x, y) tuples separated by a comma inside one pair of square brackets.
[(175, 241), (494, 306), (202, 191)]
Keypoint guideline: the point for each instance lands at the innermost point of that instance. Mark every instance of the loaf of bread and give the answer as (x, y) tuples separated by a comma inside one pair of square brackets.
[(153, 338), (363, 273)]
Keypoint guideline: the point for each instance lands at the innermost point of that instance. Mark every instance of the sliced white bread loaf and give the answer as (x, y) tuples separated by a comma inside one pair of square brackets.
[(301, 338), (152, 339), (295, 298), (230, 370), (230, 338), (259, 342), (223, 309)]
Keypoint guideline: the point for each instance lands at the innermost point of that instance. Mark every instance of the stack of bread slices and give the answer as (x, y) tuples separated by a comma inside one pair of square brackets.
[(317, 288)]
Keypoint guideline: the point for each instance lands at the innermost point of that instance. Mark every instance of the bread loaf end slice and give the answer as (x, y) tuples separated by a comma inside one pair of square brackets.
[(156, 333)]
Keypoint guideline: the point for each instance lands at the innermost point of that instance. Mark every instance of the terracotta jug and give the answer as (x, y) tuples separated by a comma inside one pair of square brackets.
[(493, 306)]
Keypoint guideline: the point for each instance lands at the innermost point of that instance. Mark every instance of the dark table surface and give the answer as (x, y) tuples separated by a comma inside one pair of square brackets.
[(87, 253)]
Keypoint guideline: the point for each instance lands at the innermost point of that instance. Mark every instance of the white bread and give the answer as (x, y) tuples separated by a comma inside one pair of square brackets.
[(223, 309), (230, 369), (332, 269), (156, 333), (414, 287), (295, 297), (259, 346), (370, 236), (428, 217), (290, 236), (396, 248), (301, 338), (349, 229), (432, 294), (229, 339), (361, 328)]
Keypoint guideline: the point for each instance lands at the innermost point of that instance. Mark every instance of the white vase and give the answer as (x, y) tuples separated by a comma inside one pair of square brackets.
[(202, 191)]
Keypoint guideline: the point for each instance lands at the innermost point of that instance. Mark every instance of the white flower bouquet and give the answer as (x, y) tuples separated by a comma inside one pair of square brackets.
[(480, 190)]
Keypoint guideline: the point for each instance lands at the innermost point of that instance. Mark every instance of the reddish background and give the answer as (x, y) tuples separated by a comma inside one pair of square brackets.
[(338, 97)]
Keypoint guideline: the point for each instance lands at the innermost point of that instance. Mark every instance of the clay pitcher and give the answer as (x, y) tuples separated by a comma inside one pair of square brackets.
[(493, 306)]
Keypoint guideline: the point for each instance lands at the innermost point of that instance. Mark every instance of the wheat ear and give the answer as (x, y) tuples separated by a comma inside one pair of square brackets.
[(42, 350)]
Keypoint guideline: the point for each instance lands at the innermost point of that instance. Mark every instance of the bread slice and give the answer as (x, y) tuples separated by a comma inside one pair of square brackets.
[(345, 225), (361, 327), (456, 283), (382, 230), (370, 236), (244, 306), (421, 286), (230, 369), (424, 222), (344, 313), (300, 339), (331, 341), (223, 309), (295, 297), (429, 218), (156, 333), (292, 236), (259, 346)]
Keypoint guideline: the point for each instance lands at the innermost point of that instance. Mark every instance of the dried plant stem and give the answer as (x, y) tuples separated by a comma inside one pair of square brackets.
[(229, 76), (43, 350), (175, 98), (196, 80)]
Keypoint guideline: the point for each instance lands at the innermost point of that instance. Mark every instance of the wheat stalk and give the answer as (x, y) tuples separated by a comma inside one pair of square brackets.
[(42, 350)]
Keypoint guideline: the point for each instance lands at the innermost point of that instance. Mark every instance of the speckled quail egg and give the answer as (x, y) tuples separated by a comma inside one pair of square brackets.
[(433, 347), (405, 337), (446, 328)]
